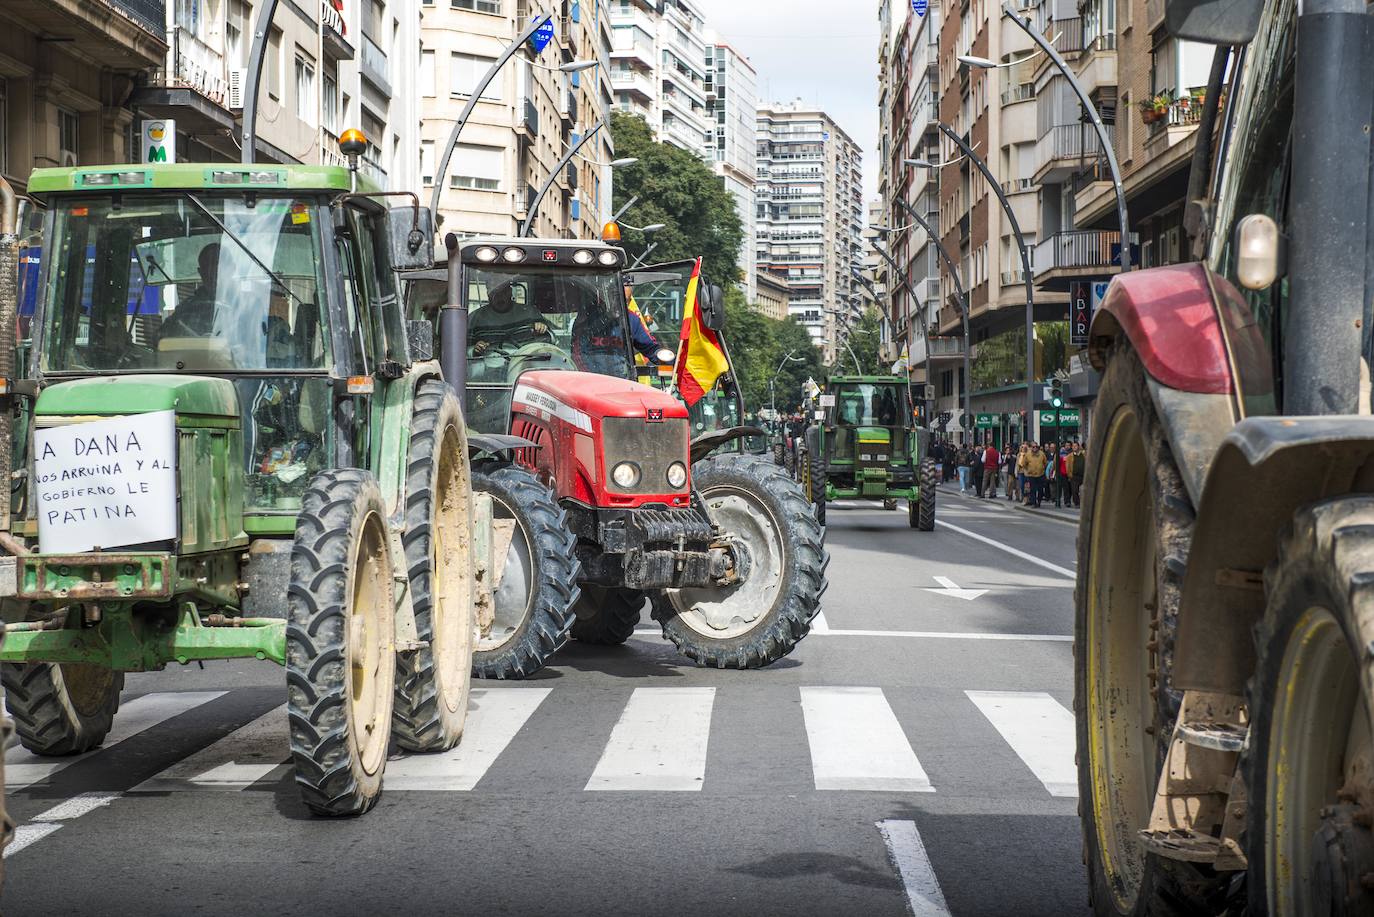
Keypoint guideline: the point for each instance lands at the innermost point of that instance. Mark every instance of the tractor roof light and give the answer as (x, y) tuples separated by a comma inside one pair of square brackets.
[(513, 255), (486, 254), (611, 232), (353, 143), (582, 256), (609, 259)]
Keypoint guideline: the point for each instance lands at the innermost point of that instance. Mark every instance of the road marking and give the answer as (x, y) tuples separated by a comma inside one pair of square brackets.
[(857, 743), (819, 625), (24, 835), (659, 742), (240, 759), (1039, 730), (952, 635), (495, 715), (23, 768), (1063, 571), (908, 854), (47, 822), (950, 588)]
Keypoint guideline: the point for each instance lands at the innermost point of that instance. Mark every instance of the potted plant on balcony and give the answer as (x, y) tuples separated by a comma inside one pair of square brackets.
[(1156, 108)]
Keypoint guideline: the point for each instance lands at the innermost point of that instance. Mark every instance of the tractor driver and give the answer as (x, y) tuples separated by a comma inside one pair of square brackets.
[(505, 320), (196, 316)]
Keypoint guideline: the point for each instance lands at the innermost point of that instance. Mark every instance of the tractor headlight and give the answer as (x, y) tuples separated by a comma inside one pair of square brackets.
[(514, 255), (625, 475), (677, 475), (582, 256), (610, 259), (485, 254)]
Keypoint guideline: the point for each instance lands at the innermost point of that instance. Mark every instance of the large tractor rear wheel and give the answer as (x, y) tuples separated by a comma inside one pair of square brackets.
[(1309, 764), (1136, 529), (433, 682), (920, 512), (61, 708), (340, 643), (607, 617), (537, 584), (761, 618)]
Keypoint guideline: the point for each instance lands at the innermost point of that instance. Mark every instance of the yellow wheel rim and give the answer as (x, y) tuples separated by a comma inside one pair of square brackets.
[(369, 647)]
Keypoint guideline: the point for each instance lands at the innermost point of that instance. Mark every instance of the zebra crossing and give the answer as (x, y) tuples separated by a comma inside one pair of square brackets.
[(659, 742)]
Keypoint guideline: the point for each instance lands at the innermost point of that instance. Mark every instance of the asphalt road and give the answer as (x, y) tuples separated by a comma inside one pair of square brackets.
[(914, 755)]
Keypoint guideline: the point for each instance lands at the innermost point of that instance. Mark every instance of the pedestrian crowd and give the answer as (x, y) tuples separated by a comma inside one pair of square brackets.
[(1030, 472)]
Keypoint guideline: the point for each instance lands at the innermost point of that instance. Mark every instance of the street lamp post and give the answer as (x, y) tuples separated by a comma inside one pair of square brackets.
[(901, 275), (1009, 11), (772, 393), (963, 300), (548, 182), (1025, 269), (249, 135)]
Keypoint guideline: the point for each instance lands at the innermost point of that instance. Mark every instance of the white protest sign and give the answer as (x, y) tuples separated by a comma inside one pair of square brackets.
[(106, 483)]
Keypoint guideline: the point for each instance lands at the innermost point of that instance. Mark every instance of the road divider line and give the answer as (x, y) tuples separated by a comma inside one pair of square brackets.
[(1039, 730), (908, 854), (659, 742), (951, 635), (235, 762), (857, 743), (47, 822), (23, 768), (25, 835), (495, 715), (1062, 571), (819, 625)]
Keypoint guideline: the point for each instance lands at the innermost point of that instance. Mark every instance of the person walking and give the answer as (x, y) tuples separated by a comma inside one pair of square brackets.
[(992, 462), (977, 470), (963, 458), (1035, 473), (1009, 468), (1077, 469), (1021, 483), (937, 455)]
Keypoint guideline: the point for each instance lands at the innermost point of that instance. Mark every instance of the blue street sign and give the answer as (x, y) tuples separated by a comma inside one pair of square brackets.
[(919, 7), (543, 35)]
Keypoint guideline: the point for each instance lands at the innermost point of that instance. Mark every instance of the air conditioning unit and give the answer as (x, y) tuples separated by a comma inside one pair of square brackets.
[(238, 76)]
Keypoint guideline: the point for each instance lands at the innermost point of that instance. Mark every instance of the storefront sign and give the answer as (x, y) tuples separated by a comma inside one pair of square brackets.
[(1064, 417), (987, 421), (159, 141)]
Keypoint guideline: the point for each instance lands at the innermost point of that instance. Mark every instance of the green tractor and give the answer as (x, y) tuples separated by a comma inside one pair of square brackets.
[(229, 445), (864, 446)]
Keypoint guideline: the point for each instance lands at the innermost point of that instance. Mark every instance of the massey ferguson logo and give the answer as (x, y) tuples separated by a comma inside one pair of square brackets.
[(655, 415)]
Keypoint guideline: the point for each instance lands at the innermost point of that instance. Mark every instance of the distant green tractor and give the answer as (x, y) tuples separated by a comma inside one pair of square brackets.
[(865, 446), (229, 445)]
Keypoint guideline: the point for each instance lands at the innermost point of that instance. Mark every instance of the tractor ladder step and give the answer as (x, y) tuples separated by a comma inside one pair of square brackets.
[(1217, 736)]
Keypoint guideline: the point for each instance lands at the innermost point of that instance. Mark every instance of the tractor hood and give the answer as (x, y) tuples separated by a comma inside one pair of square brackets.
[(117, 395), (595, 395), (873, 434)]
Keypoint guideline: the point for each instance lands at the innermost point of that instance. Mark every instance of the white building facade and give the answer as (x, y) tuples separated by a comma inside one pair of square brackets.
[(731, 92)]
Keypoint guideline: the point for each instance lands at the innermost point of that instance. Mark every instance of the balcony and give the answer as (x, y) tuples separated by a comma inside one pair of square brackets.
[(191, 87), (374, 66), (568, 109), (1166, 128), (1075, 254), (633, 82), (945, 348), (570, 177), (117, 34), (1021, 92), (1065, 149), (371, 167), (526, 120)]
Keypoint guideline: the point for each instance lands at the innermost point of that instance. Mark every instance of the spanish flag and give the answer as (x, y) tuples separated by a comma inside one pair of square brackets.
[(700, 358)]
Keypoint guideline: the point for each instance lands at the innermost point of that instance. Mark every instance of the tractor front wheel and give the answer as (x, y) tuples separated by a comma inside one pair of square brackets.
[(921, 511), (607, 617), (61, 708), (780, 547), (815, 473), (340, 643), (1309, 764), (433, 682), (536, 585)]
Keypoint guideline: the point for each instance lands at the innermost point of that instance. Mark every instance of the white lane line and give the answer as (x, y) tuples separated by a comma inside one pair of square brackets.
[(952, 635), (48, 821), (235, 762), (23, 768), (819, 625), (1039, 730), (659, 742), (1063, 571), (24, 835), (908, 854), (495, 715), (857, 743)]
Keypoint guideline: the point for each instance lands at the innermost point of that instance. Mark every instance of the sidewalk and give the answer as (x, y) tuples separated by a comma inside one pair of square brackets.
[(1046, 507)]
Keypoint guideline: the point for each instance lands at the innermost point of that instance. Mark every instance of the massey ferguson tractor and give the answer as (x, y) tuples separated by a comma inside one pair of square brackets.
[(613, 501), (229, 449), (865, 447), (1224, 657)]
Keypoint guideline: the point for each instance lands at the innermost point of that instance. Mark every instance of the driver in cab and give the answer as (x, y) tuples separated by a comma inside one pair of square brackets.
[(505, 320)]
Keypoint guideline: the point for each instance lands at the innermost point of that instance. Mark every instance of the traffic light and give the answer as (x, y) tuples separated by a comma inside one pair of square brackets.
[(1056, 393)]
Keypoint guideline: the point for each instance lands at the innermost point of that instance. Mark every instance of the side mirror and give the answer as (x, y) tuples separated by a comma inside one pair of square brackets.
[(1215, 22), (420, 339), (411, 240), (712, 300)]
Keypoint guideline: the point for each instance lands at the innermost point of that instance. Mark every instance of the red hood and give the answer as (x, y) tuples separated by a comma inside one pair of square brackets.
[(602, 396)]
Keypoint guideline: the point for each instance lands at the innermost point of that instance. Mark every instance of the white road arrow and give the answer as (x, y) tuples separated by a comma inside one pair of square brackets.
[(948, 587)]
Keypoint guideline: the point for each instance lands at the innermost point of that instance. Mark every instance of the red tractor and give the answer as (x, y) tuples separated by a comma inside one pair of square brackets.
[(1224, 664), (607, 500)]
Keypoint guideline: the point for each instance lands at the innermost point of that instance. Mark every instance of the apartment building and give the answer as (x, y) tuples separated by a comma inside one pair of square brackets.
[(659, 71), (732, 102), (810, 212), (525, 120)]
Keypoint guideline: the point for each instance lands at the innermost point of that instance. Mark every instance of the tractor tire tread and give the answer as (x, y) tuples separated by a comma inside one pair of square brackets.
[(45, 723)]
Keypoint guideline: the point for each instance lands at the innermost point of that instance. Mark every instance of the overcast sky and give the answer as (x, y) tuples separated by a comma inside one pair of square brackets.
[(824, 51)]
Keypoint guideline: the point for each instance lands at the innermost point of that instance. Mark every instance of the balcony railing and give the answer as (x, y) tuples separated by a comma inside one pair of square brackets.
[(946, 346), (1181, 113), (1018, 185), (192, 64), (1078, 248), (373, 169), (1105, 41), (374, 62), (1021, 92), (151, 14), (1069, 39), (1068, 141)]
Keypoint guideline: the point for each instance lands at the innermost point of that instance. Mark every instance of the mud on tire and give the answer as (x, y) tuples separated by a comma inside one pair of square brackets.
[(340, 655), (783, 590), (543, 551), (607, 617), (61, 708), (433, 682)]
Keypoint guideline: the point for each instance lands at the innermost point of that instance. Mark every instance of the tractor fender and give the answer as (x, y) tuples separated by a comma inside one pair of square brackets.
[(702, 445), (1264, 471), (497, 444), (1208, 364)]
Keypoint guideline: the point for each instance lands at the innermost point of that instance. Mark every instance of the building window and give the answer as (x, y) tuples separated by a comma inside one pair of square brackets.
[(330, 103), (426, 73), (427, 162), (305, 89), (69, 136), (479, 168), (467, 70), (274, 67), (478, 6)]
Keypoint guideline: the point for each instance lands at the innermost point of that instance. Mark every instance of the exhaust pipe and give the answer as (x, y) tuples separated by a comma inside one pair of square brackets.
[(9, 306), (453, 326)]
